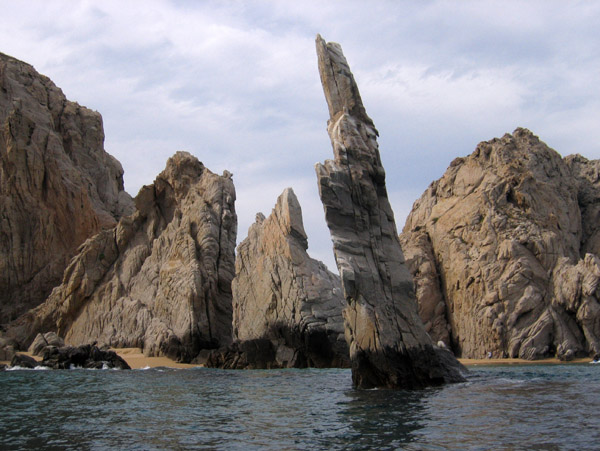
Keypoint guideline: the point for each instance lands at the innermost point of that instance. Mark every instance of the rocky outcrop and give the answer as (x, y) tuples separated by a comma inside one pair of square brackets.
[(69, 357), (283, 300), (504, 252), (58, 186), (85, 356), (389, 346), (160, 280)]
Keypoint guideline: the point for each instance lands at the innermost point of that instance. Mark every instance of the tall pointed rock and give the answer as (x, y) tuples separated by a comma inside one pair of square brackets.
[(389, 346)]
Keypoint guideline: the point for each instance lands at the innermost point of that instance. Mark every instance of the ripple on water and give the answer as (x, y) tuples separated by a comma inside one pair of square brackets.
[(498, 408)]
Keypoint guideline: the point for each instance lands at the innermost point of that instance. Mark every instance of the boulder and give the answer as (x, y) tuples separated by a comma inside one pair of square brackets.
[(58, 186), (160, 280), (23, 361), (7, 349), (282, 295), (504, 252), (389, 346), (42, 340)]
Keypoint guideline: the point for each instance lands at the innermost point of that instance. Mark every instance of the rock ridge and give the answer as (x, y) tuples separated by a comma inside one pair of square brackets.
[(160, 279), (504, 252)]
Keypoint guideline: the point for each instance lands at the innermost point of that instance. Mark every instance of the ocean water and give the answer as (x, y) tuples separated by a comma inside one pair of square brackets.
[(503, 407)]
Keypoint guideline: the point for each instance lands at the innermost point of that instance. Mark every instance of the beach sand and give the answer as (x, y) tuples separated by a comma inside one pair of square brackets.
[(136, 359), (552, 361)]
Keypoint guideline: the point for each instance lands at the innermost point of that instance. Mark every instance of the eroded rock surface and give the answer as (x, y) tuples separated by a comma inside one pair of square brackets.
[(389, 346), (504, 252), (160, 280), (287, 307), (58, 186)]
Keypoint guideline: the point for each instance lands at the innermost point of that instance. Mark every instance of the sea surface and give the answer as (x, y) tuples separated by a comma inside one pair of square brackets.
[(542, 407)]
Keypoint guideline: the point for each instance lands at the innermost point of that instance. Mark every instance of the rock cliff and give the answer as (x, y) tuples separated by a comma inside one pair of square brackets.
[(504, 252), (160, 279), (284, 299), (389, 346), (58, 186)]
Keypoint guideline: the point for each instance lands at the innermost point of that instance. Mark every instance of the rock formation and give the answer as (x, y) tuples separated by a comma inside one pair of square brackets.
[(160, 279), (287, 307), (388, 343), (504, 251), (58, 186), (68, 357), (42, 341)]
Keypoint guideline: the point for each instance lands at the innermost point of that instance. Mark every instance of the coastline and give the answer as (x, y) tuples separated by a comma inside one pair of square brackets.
[(136, 359), (511, 361)]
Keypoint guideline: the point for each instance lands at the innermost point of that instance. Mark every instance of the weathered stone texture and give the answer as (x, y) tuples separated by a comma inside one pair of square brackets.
[(504, 251), (58, 186), (160, 280), (389, 346), (283, 297)]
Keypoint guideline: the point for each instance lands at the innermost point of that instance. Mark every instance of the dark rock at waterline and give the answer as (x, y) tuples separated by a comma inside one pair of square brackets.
[(23, 361), (86, 356)]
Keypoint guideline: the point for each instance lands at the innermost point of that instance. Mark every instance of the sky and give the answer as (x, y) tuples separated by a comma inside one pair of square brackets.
[(236, 84)]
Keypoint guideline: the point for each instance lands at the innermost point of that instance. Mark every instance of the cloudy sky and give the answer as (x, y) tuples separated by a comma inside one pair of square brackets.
[(236, 84)]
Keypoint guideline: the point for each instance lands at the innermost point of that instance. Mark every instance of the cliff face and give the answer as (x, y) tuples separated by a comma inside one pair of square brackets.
[(160, 279), (389, 346), (504, 252), (58, 186), (285, 298)]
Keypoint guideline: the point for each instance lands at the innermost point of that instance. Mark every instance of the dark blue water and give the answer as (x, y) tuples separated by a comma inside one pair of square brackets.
[(508, 407)]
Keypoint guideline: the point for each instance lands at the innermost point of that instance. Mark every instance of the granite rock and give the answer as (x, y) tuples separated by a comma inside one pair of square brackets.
[(41, 341), (283, 298), (58, 186), (389, 346), (504, 252), (160, 280)]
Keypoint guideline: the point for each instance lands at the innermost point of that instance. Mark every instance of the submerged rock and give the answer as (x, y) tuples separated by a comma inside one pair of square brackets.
[(504, 252), (160, 280), (58, 186), (389, 346), (287, 307)]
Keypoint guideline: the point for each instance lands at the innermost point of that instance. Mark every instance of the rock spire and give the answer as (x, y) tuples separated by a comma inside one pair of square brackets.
[(389, 346), (285, 298)]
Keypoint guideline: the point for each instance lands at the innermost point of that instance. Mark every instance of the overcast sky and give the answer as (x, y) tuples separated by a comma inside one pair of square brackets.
[(236, 84)]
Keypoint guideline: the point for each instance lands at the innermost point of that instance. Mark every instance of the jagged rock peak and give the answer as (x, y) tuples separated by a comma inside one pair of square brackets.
[(341, 91), (504, 251), (160, 279), (388, 343), (58, 186), (287, 307)]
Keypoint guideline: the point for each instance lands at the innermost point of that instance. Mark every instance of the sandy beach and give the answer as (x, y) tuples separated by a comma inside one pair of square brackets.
[(552, 361), (136, 359)]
